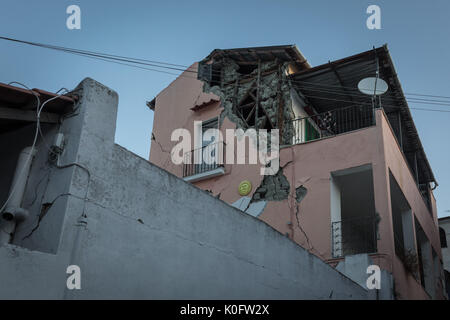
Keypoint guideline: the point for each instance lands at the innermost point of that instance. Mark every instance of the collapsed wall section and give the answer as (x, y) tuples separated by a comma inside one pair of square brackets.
[(253, 94)]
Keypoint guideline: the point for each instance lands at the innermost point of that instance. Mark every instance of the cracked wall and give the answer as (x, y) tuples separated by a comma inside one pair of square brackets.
[(277, 188), (313, 163), (141, 229)]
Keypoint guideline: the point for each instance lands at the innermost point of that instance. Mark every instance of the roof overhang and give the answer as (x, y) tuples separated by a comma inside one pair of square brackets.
[(18, 106), (286, 53), (334, 85)]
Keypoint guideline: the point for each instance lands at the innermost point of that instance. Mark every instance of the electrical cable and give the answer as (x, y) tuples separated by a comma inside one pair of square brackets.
[(356, 95), (368, 104), (32, 146), (389, 100), (105, 57), (357, 90), (135, 66), (110, 57), (39, 109), (362, 103), (94, 54)]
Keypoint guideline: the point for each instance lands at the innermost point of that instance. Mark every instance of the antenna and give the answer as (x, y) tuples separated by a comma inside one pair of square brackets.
[(373, 86)]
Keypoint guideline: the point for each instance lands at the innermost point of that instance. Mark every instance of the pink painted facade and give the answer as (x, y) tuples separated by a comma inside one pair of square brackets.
[(312, 165)]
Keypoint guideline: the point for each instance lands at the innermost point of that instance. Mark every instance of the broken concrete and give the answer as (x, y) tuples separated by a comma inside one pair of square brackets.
[(252, 208), (273, 188), (256, 208), (233, 91), (242, 203)]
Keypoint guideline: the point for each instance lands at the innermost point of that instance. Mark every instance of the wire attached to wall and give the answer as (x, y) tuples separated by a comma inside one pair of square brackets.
[(13, 189), (38, 132)]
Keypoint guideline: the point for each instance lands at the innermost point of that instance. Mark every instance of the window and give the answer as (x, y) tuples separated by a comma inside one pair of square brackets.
[(207, 159), (207, 152)]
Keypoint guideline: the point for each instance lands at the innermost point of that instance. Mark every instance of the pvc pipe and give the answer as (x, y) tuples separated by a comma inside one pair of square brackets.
[(13, 212)]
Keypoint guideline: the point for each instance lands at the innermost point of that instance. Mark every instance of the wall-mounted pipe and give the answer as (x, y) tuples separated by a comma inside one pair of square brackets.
[(14, 212), (435, 185)]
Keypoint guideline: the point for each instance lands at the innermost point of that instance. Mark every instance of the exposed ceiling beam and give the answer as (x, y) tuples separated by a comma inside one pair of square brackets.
[(340, 80), (27, 115)]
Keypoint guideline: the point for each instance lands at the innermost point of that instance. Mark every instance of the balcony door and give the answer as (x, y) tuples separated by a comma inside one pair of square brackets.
[(207, 152)]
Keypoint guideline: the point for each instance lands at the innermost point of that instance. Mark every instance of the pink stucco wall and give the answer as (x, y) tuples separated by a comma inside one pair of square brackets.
[(173, 110), (396, 163), (309, 164)]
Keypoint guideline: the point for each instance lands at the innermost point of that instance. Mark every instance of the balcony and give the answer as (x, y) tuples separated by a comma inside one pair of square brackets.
[(335, 85), (354, 236), (330, 123), (203, 163)]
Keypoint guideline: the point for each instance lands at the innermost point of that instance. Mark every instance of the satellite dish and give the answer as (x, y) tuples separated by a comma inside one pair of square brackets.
[(371, 86)]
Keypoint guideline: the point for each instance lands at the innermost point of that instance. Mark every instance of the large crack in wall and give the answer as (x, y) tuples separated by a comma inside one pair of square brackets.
[(276, 188), (274, 90)]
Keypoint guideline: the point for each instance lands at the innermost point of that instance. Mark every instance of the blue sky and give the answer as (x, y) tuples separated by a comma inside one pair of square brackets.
[(182, 32)]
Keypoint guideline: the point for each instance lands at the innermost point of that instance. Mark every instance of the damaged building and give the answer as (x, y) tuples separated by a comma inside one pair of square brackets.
[(253, 85), (354, 187)]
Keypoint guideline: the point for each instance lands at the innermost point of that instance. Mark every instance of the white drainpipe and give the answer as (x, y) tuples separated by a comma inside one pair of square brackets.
[(13, 212)]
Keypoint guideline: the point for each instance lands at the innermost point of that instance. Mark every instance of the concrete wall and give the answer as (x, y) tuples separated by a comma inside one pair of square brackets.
[(395, 162), (137, 231)]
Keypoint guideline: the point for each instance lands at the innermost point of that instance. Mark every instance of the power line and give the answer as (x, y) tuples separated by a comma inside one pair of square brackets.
[(137, 63), (386, 105), (152, 63), (166, 65), (359, 96), (132, 65), (314, 84)]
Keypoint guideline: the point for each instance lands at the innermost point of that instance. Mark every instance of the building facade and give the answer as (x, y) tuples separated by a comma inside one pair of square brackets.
[(354, 181)]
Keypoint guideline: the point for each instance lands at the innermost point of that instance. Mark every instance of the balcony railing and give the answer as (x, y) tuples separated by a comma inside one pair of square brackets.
[(354, 236), (204, 159), (331, 123)]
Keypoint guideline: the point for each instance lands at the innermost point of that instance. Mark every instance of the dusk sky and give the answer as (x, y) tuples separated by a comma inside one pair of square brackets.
[(182, 32)]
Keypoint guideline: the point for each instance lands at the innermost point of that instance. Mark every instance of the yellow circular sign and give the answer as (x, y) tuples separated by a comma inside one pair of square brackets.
[(245, 187)]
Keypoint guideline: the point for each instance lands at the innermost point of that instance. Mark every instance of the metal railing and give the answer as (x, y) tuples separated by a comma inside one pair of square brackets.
[(354, 236), (331, 123), (204, 159)]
